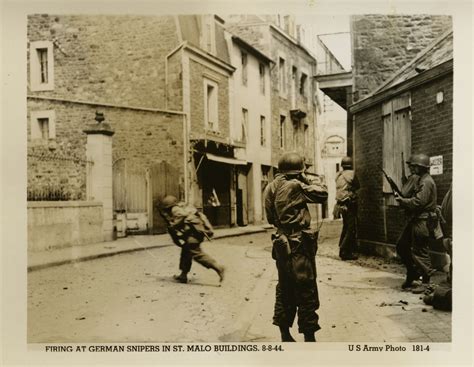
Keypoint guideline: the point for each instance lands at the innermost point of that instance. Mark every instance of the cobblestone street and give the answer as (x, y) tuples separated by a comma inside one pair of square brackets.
[(133, 298)]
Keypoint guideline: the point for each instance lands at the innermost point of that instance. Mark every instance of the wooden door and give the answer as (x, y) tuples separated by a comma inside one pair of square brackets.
[(164, 180)]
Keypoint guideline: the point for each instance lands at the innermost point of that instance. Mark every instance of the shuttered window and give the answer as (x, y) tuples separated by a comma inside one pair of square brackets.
[(396, 117)]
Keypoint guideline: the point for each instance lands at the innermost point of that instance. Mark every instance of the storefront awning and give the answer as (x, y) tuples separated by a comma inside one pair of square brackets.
[(217, 158)]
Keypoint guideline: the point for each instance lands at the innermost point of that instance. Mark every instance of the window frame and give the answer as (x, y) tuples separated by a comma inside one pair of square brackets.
[(36, 134), (244, 62), (263, 128), (282, 131), (35, 66), (207, 110)]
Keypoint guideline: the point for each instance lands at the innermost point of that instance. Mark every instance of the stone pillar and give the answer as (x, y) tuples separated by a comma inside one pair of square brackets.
[(99, 151)]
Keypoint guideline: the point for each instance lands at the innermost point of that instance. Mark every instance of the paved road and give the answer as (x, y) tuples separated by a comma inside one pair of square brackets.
[(133, 298)]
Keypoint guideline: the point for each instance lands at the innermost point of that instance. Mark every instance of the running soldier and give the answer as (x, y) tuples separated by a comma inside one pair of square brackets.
[(347, 185), (188, 228), (425, 222), (294, 246)]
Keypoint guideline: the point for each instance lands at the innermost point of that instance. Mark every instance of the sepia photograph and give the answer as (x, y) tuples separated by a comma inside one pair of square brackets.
[(240, 182)]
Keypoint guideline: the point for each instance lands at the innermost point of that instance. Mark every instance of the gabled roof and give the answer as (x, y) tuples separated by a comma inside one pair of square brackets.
[(438, 52)]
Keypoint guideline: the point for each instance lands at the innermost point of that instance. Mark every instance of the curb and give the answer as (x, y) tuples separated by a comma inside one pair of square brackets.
[(129, 250)]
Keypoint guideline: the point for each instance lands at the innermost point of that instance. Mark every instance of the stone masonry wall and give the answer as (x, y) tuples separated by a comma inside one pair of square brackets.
[(142, 137), (110, 59), (197, 74), (382, 44)]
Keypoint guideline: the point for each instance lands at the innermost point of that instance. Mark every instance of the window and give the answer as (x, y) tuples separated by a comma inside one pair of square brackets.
[(303, 86), (396, 117), (211, 108), (282, 131), (294, 85), (282, 76), (296, 129), (41, 66), (337, 167), (244, 68), (244, 124), (43, 126), (261, 69), (262, 131)]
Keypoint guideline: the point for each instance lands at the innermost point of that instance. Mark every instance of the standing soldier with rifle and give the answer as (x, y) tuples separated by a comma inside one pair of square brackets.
[(188, 227), (294, 246), (346, 186), (404, 245), (422, 205)]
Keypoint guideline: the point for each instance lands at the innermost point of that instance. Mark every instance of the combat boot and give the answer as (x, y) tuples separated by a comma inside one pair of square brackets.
[(182, 278), (309, 337), (220, 270), (285, 334)]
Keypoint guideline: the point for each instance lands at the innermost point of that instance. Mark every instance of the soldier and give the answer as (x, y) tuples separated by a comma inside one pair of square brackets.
[(188, 228), (425, 223), (404, 244), (294, 246), (346, 205)]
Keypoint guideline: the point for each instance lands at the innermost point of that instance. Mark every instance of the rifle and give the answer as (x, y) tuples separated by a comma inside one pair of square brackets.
[(393, 185), (404, 176)]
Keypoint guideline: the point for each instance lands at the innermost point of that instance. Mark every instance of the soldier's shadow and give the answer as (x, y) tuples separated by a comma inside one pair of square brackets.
[(169, 279)]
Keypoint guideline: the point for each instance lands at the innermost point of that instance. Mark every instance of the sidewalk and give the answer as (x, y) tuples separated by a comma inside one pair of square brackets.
[(44, 259)]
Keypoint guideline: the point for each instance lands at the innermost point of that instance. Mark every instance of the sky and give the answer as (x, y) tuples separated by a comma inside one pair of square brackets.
[(327, 26)]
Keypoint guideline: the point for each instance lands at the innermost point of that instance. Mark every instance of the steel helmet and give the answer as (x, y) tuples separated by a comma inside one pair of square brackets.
[(421, 160), (167, 202), (291, 163), (346, 162)]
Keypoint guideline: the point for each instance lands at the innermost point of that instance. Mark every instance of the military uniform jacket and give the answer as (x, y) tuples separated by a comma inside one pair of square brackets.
[(424, 198), (286, 202), (181, 221), (346, 186)]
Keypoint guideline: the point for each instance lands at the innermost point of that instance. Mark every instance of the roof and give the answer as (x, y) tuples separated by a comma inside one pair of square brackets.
[(433, 61), (251, 49)]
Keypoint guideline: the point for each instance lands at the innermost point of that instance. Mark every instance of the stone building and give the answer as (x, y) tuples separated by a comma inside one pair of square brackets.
[(251, 127), (408, 110), (293, 103), (171, 89)]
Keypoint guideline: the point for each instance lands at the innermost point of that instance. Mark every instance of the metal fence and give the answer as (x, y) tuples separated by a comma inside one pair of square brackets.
[(50, 187)]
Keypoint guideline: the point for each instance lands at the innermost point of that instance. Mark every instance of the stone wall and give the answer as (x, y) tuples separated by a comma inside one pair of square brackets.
[(383, 44), (112, 59), (63, 224), (197, 74), (142, 137)]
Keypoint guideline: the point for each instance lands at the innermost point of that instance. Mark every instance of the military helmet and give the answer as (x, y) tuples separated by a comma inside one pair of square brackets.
[(167, 202), (291, 163), (421, 160), (346, 162)]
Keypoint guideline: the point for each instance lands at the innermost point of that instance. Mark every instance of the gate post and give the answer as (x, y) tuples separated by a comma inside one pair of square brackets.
[(99, 151)]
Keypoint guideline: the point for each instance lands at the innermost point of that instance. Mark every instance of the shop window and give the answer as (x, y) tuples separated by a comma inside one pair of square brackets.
[(41, 66)]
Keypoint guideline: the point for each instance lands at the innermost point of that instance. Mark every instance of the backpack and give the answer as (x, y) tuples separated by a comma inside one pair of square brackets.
[(202, 226)]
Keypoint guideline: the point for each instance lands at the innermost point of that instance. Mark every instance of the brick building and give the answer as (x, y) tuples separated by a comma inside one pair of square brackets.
[(399, 113)]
